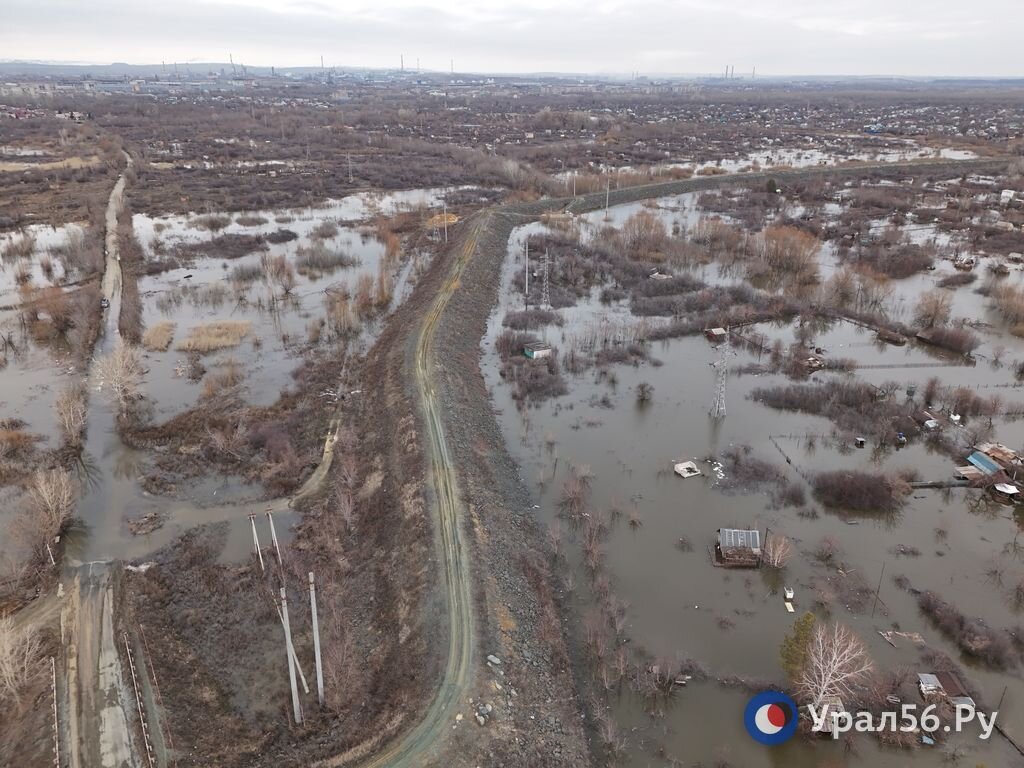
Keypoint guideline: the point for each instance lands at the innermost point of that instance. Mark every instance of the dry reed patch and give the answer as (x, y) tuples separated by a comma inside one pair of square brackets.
[(157, 338), (209, 337)]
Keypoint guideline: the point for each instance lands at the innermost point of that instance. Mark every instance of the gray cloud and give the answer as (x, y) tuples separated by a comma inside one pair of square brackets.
[(909, 37)]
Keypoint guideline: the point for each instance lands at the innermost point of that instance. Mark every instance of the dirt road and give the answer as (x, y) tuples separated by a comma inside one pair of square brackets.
[(95, 718), (97, 731), (417, 745)]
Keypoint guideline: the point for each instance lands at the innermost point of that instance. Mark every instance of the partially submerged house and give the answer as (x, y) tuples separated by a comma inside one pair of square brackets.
[(830, 707), (537, 350), (686, 469), (946, 685), (738, 548), (716, 335)]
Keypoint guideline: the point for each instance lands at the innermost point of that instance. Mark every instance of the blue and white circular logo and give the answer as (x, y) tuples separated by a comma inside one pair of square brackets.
[(771, 718)]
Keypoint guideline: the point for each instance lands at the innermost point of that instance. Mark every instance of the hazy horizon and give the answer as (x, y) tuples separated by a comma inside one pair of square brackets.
[(613, 37)]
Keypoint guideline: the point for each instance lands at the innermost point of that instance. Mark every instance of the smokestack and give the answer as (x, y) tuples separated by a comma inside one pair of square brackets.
[(401, 59)]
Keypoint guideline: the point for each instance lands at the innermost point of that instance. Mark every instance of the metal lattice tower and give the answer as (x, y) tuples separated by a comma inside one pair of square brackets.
[(721, 367), (545, 293)]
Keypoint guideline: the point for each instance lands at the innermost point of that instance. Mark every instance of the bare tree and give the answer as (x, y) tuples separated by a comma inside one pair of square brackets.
[(777, 551), (51, 498), (72, 412), (121, 371), (933, 308), (837, 663), (19, 656)]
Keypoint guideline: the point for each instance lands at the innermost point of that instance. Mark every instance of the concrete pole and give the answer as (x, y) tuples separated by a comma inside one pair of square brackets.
[(256, 539), (273, 536), (56, 725), (316, 641), (444, 217), (296, 708)]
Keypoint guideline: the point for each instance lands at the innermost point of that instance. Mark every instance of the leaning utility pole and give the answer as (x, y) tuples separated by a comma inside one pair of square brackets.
[(273, 536), (316, 641), (256, 540), (607, 196), (296, 708)]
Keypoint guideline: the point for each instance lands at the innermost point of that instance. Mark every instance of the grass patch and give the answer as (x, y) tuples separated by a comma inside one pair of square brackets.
[(250, 220), (209, 337), (157, 338), (319, 259)]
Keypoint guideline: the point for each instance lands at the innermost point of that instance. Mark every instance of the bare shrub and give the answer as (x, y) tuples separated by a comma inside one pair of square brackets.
[(777, 551), (318, 260), (958, 340), (956, 280), (933, 308), (49, 503), (72, 412), (974, 637), (212, 222), (250, 220), (120, 371), (277, 270), (20, 650), (530, 319), (860, 491), (230, 374)]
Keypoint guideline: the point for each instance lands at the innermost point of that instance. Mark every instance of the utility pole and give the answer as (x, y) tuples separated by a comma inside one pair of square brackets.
[(56, 725), (273, 537), (316, 641), (349, 167), (296, 708), (877, 590), (526, 290), (444, 218), (545, 291), (721, 374), (607, 196), (401, 59), (256, 540)]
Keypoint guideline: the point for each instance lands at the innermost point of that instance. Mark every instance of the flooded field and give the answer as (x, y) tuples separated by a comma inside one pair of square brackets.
[(225, 299), (656, 559)]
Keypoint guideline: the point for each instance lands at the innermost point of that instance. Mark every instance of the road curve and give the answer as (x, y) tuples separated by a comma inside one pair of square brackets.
[(414, 746)]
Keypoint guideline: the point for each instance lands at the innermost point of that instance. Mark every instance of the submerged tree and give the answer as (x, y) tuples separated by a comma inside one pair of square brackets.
[(793, 650), (837, 663)]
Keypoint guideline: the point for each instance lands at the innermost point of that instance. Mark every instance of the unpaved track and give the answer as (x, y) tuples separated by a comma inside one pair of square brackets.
[(96, 705), (98, 733), (417, 746)]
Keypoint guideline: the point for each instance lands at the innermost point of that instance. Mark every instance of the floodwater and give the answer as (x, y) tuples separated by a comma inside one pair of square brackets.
[(732, 621), (202, 292), (33, 368), (827, 154)]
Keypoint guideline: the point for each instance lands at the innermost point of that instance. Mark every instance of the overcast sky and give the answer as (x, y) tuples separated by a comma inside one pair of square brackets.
[(856, 37)]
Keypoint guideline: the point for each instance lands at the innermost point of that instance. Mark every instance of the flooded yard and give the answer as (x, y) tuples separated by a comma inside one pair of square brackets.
[(654, 565)]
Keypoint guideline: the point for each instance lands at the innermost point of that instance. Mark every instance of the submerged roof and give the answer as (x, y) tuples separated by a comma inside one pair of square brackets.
[(983, 462), (734, 538)]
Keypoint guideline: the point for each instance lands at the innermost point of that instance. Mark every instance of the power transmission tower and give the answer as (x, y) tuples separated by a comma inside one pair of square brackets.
[(721, 367), (545, 291)]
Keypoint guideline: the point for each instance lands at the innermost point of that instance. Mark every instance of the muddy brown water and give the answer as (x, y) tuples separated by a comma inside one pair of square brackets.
[(110, 471), (676, 599)]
